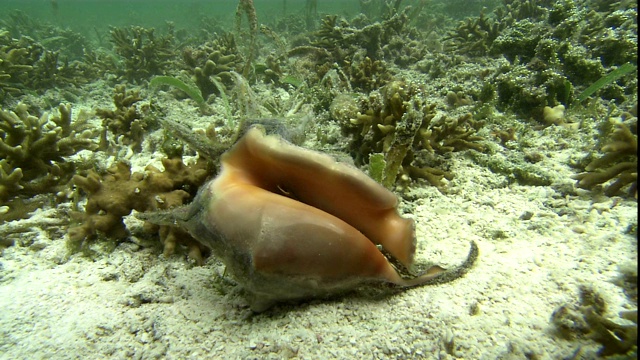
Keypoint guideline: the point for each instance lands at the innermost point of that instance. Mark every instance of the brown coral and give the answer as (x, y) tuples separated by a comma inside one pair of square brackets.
[(587, 318), (143, 52), (618, 167), (369, 74), (25, 64), (116, 194), (475, 35), (128, 118), (396, 122), (16, 63), (212, 63), (33, 148)]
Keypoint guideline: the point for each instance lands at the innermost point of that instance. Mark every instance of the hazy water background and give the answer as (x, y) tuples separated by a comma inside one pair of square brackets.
[(89, 17), (86, 16)]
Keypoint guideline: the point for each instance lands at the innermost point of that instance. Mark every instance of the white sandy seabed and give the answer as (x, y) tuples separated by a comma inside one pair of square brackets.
[(135, 303)]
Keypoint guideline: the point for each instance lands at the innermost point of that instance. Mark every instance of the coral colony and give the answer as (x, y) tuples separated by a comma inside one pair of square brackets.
[(264, 85)]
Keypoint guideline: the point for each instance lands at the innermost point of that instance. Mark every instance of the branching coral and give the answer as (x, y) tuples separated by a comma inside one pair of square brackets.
[(26, 65), (16, 63), (116, 194), (476, 35), (527, 91), (398, 123), (51, 71), (33, 148), (129, 119), (368, 74), (554, 48), (485, 29), (10, 178), (212, 63), (143, 53), (339, 43), (618, 167), (71, 45), (612, 35), (343, 40)]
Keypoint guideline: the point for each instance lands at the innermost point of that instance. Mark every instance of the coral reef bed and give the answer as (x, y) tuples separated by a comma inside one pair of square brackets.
[(167, 307), (513, 127)]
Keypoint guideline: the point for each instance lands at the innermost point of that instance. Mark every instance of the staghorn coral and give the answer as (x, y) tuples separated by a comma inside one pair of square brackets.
[(51, 72), (129, 119), (25, 65), (479, 33), (332, 33), (346, 45), (554, 49), (101, 63), (368, 75), (518, 41), (617, 169), (71, 45), (143, 53), (17, 59), (114, 195), (211, 64), (475, 35), (33, 149), (527, 91), (272, 69), (343, 40), (397, 123), (612, 35), (10, 178)]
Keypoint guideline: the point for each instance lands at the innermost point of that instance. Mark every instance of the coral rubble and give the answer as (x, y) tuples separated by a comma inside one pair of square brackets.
[(588, 318)]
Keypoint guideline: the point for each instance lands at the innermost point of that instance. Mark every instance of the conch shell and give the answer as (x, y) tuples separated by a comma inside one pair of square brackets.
[(291, 223)]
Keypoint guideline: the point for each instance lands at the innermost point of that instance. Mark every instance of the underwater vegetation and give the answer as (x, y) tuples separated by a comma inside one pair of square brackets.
[(193, 92), (402, 88)]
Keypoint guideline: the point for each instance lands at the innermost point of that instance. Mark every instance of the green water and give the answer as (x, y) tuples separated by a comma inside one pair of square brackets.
[(87, 16)]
